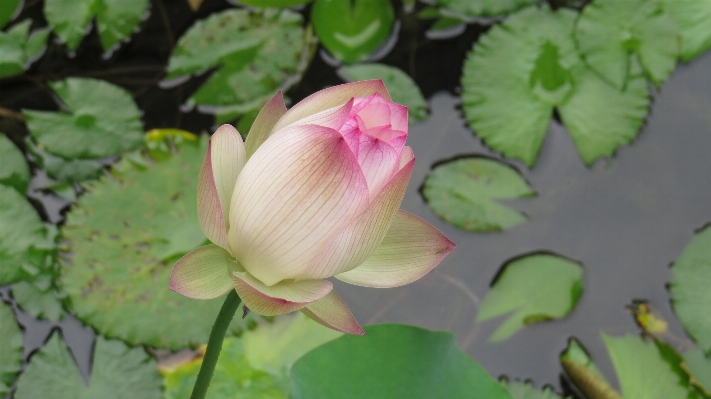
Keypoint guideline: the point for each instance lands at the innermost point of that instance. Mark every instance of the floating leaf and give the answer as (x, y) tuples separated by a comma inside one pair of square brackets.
[(520, 390), (402, 88), (585, 375), (19, 48), (392, 361), (698, 366), (464, 192), (610, 31), (14, 171), (117, 372), (62, 169), (523, 69), (352, 30), (693, 18), (274, 3), (124, 236), (485, 8), (689, 288), (115, 19), (10, 349), (536, 287), (8, 9), (256, 365), (39, 296), (23, 237), (257, 52)]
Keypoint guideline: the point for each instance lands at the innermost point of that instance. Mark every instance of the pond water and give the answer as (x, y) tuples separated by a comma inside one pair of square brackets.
[(625, 219)]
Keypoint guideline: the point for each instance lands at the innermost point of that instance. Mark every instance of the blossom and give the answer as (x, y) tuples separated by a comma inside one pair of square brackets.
[(313, 193)]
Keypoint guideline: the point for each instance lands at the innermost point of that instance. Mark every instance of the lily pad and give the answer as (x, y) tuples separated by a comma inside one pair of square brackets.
[(698, 366), (62, 169), (584, 374), (485, 8), (14, 171), (101, 120), (117, 372), (274, 3), (24, 246), (256, 365), (10, 348), (8, 9), (124, 236), (524, 68), (692, 18), (609, 32), (19, 47), (392, 361), (257, 52), (464, 192), (520, 390), (690, 293), (39, 295), (352, 30), (115, 19), (536, 287), (402, 88)]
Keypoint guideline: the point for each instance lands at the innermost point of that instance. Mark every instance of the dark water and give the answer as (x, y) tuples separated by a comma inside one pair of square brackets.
[(625, 218)]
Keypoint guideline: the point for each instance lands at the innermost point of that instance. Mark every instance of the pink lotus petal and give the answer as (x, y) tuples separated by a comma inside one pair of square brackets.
[(332, 97), (379, 162), (262, 127), (330, 311), (376, 112), (281, 298), (299, 190), (410, 250), (398, 117), (332, 118), (406, 156), (360, 239), (204, 273)]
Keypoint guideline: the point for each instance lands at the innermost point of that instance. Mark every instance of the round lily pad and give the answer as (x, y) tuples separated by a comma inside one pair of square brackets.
[(20, 47), (10, 348), (533, 288), (123, 237), (117, 371), (464, 193)]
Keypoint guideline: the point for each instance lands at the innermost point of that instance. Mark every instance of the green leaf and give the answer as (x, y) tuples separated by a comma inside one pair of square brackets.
[(485, 8), (115, 19), (464, 192), (402, 88), (641, 369), (585, 375), (19, 48), (610, 31), (8, 9), (124, 236), (392, 361), (256, 365), (101, 120), (23, 237), (692, 17), (274, 3), (352, 30), (536, 288), (75, 170), (523, 69), (698, 366), (39, 296), (10, 348), (14, 171), (689, 288), (117, 372), (257, 52), (520, 390)]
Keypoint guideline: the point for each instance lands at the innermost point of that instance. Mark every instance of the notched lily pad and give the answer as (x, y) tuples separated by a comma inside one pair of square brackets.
[(692, 18), (10, 348), (533, 288), (485, 8), (124, 235), (255, 52), (465, 191), (19, 47), (117, 372)]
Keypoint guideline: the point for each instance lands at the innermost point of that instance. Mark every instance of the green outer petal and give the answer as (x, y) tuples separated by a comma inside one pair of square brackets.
[(204, 273)]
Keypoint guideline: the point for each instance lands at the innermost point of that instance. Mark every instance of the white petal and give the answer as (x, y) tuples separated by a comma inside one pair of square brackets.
[(281, 298), (228, 158), (262, 127), (204, 273)]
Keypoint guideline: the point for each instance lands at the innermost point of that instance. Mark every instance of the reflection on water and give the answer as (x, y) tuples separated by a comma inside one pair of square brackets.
[(626, 219)]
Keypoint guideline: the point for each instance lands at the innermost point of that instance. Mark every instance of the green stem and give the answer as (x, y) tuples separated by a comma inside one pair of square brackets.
[(214, 345)]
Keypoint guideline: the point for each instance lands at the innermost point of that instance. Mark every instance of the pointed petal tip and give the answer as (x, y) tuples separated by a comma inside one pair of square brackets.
[(226, 129)]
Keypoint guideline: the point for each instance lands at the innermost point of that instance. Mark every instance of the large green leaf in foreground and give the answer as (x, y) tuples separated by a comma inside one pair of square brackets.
[(464, 192), (124, 236), (524, 68), (392, 361), (115, 19), (691, 296), (693, 18), (536, 287), (19, 47), (699, 368), (520, 390), (10, 348), (609, 32), (117, 372), (257, 53), (485, 8)]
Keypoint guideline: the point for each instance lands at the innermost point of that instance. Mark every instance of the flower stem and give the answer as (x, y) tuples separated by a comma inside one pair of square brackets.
[(214, 345)]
